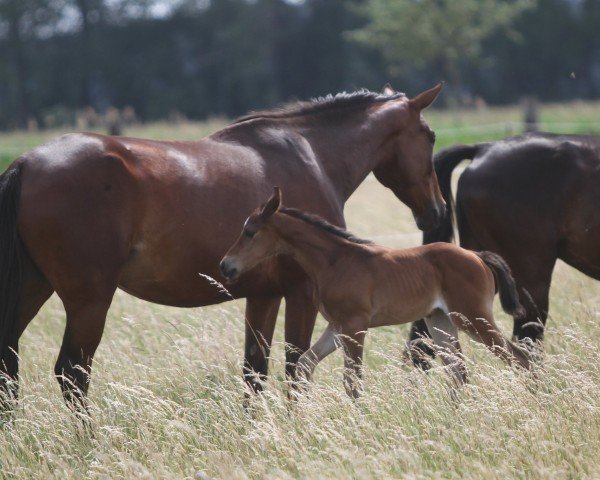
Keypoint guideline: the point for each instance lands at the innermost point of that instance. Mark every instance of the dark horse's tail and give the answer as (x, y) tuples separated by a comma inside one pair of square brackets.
[(445, 162), (11, 266), (509, 297)]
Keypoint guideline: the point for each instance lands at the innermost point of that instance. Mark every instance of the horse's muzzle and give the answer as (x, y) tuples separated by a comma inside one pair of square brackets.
[(432, 217), (229, 271)]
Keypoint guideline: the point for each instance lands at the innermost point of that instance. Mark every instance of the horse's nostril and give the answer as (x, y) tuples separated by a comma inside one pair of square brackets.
[(223, 268)]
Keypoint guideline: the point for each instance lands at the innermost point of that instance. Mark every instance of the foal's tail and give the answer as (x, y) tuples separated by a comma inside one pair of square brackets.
[(505, 283), (11, 262), (445, 162)]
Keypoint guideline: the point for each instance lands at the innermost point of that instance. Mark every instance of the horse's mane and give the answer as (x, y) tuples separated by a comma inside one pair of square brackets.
[(359, 98), (324, 225)]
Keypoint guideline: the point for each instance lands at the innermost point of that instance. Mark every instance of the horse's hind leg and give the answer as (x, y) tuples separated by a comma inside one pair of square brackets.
[(445, 336), (85, 323), (34, 293)]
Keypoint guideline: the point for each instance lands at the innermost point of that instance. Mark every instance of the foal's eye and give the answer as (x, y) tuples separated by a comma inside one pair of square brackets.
[(249, 234)]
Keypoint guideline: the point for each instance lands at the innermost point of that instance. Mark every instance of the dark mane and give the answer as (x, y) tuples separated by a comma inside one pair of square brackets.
[(324, 225), (356, 99)]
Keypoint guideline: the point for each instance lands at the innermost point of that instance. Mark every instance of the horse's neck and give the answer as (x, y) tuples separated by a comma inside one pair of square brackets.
[(347, 155)]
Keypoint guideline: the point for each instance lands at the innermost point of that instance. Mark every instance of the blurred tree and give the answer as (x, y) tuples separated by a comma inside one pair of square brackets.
[(20, 20), (435, 34)]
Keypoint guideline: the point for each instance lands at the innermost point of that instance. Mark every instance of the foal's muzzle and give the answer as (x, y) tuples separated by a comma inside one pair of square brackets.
[(229, 271)]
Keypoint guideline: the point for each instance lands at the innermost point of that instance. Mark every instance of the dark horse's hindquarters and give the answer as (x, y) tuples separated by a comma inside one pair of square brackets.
[(96, 213), (531, 199)]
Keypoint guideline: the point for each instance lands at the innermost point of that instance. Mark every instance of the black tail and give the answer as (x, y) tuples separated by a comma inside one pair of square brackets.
[(11, 266), (509, 297), (445, 162)]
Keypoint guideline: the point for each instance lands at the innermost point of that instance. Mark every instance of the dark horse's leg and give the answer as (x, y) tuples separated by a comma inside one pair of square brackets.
[(34, 293), (419, 348), (534, 287), (261, 316)]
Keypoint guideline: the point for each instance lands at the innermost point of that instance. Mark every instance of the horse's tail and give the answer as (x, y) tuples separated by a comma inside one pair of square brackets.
[(445, 161), (505, 283), (11, 263)]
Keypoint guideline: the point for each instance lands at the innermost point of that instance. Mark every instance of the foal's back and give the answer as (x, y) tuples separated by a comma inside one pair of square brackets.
[(407, 284)]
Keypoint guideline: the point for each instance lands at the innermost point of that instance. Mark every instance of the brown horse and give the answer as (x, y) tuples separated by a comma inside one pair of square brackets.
[(86, 214), (359, 285), (531, 199)]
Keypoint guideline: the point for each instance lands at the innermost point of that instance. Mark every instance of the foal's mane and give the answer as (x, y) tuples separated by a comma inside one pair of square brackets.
[(359, 98), (324, 225)]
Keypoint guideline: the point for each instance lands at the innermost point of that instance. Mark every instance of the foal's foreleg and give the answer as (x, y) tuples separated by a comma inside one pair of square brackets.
[(300, 316), (353, 340), (445, 337)]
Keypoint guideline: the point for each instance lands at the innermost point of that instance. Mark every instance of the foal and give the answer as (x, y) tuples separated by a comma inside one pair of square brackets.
[(361, 285)]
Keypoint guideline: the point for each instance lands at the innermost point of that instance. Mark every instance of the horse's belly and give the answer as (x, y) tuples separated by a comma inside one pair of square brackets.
[(182, 271)]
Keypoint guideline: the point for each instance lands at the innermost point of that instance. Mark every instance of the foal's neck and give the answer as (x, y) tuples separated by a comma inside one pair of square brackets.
[(314, 249)]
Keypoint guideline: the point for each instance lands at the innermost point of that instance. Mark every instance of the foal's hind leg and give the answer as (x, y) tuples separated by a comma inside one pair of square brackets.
[(445, 336), (482, 328)]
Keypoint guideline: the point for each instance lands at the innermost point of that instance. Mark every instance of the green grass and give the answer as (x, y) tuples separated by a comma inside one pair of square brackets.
[(452, 126), (167, 390)]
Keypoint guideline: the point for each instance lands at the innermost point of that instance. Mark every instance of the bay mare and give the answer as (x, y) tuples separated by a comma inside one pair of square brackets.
[(86, 214), (532, 199), (359, 285)]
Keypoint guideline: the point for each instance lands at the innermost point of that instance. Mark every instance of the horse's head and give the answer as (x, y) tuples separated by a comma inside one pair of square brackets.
[(406, 167), (255, 244)]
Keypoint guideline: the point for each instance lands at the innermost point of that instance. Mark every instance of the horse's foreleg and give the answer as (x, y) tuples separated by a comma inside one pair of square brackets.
[(300, 316), (261, 316)]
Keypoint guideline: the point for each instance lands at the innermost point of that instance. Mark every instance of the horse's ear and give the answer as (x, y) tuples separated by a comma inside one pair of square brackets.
[(272, 204), (426, 98), (387, 90)]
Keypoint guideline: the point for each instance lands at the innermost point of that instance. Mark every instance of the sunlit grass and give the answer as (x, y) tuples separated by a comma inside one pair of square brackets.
[(167, 392)]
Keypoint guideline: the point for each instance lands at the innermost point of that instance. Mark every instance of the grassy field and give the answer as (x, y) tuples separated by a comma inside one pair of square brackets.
[(167, 390)]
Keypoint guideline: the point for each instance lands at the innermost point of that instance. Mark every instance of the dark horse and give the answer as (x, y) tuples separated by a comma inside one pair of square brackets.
[(86, 214), (531, 199)]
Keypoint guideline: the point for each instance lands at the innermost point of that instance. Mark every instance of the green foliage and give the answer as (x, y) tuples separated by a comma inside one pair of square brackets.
[(418, 33)]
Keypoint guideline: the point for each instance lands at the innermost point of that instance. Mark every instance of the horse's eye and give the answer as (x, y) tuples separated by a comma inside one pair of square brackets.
[(249, 234)]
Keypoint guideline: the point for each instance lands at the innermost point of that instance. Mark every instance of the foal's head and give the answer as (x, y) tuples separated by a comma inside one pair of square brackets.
[(407, 166), (256, 243)]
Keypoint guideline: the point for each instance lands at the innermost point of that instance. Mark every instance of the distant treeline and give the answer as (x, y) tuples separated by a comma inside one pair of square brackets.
[(198, 58)]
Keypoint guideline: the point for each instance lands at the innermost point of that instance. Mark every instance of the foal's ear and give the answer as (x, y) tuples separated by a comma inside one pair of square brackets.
[(387, 90), (272, 204), (426, 98)]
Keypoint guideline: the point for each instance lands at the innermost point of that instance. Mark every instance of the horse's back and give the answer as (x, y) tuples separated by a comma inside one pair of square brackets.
[(534, 193)]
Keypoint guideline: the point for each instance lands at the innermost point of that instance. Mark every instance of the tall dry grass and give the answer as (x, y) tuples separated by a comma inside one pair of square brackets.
[(167, 396)]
